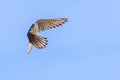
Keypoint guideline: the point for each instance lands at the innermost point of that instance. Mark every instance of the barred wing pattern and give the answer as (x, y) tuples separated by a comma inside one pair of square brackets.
[(50, 23), (41, 25)]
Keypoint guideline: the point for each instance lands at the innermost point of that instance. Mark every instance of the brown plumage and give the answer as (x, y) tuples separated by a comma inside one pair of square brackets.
[(41, 25)]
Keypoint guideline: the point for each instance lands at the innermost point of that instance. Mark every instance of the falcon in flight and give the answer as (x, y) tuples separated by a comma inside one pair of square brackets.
[(41, 25)]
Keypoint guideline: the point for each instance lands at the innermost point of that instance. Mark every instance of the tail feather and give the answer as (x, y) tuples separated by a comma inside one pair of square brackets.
[(38, 41)]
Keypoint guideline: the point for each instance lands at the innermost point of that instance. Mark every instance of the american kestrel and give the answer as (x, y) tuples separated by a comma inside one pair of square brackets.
[(41, 25)]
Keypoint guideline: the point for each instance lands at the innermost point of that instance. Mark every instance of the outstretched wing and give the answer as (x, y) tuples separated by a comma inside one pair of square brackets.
[(44, 24)]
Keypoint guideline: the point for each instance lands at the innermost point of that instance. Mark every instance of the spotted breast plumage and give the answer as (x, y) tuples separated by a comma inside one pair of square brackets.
[(41, 25)]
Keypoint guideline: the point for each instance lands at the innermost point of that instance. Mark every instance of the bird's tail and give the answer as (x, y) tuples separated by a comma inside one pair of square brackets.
[(37, 41)]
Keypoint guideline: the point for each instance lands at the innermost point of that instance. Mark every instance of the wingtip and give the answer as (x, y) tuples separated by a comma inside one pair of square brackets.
[(29, 48), (65, 19), (28, 52)]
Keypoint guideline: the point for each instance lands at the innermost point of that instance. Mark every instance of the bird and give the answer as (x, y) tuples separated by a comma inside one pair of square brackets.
[(39, 26)]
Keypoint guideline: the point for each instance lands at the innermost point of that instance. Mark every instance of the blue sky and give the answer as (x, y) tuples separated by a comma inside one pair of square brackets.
[(87, 47)]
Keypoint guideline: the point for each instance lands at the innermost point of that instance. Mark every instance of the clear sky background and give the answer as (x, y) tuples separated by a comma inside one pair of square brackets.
[(87, 47)]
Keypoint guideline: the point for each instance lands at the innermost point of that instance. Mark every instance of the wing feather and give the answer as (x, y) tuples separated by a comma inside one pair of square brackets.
[(45, 24)]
